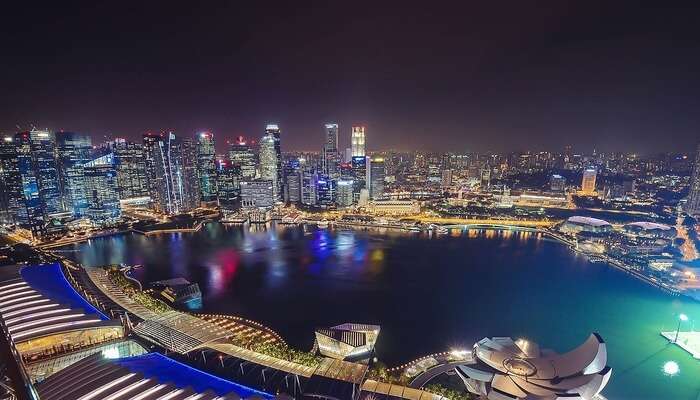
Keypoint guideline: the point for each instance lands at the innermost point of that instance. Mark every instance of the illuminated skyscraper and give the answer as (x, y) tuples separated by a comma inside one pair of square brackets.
[(176, 181), (588, 181), (73, 154), (344, 190), (693, 205), (229, 187), (130, 163), (190, 181), (33, 215), (331, 156), (152, 143), (292, 177), (308, 187), (377, 174), (100, 180), (11, 196), (271, 159), (43, 148), (357, 140), (206, 166), (242, 156), (325, 191), (359, 171)]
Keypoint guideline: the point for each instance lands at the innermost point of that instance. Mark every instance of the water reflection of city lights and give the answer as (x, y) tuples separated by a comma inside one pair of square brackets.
[(671, 368)]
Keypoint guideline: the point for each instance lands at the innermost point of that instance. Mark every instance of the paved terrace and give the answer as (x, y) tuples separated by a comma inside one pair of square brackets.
[(182, 333)]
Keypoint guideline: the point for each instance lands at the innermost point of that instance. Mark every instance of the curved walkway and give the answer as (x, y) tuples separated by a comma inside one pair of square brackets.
[(424, 377)]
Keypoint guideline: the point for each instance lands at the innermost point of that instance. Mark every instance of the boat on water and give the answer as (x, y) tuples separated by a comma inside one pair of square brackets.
[(323, 224)]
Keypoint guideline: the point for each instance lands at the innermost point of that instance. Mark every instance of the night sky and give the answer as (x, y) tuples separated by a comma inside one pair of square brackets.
[(475, 76)]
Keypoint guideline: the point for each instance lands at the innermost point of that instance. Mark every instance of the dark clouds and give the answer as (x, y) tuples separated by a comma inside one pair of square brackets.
[(465, 76)]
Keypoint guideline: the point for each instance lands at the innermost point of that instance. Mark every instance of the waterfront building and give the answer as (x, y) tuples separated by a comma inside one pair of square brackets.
[(11, 194), (326, 191), (132, 180), (557, 183), (292, 192), (693, 204), (357, 141), (347, 341), (259, 193), (229, 188), (206, 166), (73, 153), (176, 185), (43, 148), (345, 194), (190, 181), (576, 224), (241, 155), (377, 173), (588, 182), (152, 154), (393, 207), (504, 368), (308, 187), (330, 157), (359, 174), (271, 159), (650, 230), (101, 190)]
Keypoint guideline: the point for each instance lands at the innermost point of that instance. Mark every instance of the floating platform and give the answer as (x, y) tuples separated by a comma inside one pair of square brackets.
[(688, 341)]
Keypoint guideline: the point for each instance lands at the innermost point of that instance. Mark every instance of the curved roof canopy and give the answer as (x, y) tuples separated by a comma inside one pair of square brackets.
[(37, 301), (148, 376)]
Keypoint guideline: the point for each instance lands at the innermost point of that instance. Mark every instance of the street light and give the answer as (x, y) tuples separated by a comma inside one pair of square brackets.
[(681, 318)]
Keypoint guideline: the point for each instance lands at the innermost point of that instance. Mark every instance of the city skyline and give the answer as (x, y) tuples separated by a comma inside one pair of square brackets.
[(469, 77)]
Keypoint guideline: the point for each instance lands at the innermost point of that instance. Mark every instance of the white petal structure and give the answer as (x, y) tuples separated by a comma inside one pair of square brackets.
[(508, 369)]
